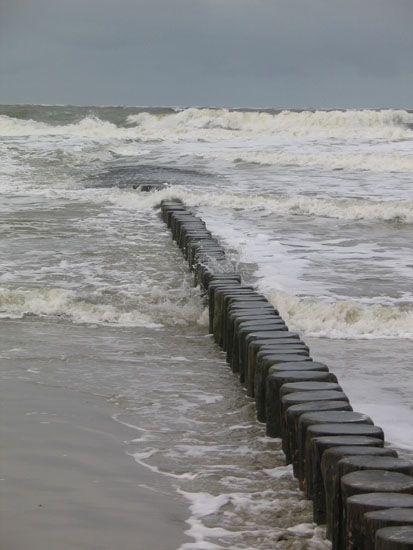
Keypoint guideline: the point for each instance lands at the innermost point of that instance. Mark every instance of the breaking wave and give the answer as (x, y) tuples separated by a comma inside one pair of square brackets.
[(89, 127), (344, 209), (253, 137), (155, 310), (344, 319), (384, 124), (387, 123)]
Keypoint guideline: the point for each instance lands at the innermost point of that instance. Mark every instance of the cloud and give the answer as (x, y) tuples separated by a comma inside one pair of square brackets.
[(229, 52)]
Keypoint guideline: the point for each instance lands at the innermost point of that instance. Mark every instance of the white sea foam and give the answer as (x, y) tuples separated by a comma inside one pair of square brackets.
[(141, 458), (344, 209), (232, 507), (376, 161), (384, 124), (90, 127), (344, 319), (280, 472), (18, 303), (153, 311), (254, 137)]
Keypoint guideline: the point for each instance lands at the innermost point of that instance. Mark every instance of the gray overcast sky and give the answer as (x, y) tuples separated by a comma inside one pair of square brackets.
[(275, 53)]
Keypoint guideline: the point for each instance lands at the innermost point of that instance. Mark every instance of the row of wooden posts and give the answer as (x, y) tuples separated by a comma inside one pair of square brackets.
[(361, 490)]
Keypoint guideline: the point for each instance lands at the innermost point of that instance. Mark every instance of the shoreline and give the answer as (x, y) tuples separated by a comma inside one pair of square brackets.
[(67, 483)]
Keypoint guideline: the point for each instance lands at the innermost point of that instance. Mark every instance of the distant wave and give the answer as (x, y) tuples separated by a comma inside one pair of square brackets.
[(89, 127), (252, 137), (384, 124), (344, 319), (344, 209)]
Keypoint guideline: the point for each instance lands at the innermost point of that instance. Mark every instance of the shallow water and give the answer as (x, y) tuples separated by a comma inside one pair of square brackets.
[(314, 208), (193, 424)]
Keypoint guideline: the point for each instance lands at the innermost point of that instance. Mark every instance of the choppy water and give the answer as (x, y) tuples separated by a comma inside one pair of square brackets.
[(315, 207)]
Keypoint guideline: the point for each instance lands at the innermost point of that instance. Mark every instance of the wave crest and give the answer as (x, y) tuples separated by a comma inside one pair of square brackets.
[(384, 124), (343, 209), (344, 319), (155, 310), (89, 127)]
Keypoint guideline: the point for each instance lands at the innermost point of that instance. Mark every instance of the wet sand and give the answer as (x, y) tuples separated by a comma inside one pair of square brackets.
[(67, 483)]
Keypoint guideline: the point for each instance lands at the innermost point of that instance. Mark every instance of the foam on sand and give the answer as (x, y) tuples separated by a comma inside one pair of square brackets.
[(205, 507)]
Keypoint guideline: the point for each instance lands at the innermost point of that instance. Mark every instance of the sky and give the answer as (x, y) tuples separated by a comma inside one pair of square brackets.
[(250, 53)]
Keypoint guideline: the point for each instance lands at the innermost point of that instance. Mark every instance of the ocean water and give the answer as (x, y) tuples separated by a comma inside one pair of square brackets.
[(315, 208)]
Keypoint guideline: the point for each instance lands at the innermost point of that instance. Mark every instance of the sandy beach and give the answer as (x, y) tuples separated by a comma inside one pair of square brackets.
[(66, 482)]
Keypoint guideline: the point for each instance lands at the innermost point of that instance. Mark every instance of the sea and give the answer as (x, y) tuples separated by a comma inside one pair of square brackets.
[(314, 208)]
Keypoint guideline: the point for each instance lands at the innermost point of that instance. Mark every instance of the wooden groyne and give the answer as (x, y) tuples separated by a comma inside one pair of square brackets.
[(360, 489)]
